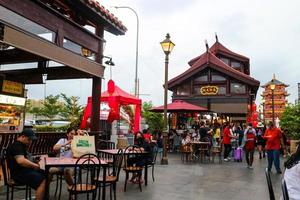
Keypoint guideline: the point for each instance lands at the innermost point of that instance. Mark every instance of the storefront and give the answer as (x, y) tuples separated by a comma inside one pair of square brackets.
[(220, 81), (12, 106)]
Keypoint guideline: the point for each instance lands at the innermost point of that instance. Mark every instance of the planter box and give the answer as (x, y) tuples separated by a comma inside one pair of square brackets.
[(293, 147)]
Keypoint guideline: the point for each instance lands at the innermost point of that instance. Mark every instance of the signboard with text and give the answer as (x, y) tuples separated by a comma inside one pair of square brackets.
[(11, 87), (209, 90)]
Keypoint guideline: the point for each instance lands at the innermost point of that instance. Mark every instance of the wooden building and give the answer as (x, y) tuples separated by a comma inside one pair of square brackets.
[(219, 80), (56, 39), (280, 100)]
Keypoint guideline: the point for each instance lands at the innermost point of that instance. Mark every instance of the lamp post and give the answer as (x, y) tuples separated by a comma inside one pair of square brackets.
[(167, 46), (272, 87), (136, 49)]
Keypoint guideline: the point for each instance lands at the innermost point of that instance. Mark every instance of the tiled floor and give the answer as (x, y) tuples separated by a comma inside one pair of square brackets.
[(181, 181)]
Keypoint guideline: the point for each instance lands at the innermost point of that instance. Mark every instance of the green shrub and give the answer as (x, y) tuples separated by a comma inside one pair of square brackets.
[(290, 120)]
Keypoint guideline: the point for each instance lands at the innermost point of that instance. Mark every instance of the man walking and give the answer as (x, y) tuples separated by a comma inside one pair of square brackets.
[(22, 169), (273, 136)]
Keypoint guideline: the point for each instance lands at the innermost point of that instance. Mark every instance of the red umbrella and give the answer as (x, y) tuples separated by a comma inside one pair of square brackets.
[(179, 106)]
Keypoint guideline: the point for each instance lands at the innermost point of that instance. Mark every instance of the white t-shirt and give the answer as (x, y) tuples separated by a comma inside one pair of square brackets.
[(68, 152), (292, 179)]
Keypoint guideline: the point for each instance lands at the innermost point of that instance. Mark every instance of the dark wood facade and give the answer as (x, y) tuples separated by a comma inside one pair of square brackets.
[(69, 32), (218, 80)]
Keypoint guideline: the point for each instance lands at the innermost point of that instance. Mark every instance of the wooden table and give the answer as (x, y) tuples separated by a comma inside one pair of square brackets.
[(200, 143), (114, 152), (69, 162)]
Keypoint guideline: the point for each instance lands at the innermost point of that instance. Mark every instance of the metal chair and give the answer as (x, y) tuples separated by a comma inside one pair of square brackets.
[(131, 164), (284, 189), (270, 187), (153, 161), (112, 178), (86, 171), (9, 182)]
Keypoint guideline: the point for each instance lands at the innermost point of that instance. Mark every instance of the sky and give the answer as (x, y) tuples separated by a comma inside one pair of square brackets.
[(266, 31)]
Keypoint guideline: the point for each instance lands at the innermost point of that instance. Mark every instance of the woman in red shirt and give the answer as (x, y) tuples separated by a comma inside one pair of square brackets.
[(273, 136), (249, 147)]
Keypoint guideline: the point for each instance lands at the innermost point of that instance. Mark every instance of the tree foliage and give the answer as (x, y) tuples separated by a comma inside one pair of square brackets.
[(154, 120), (34, 110), (290, 120), (51, 107), (71, 110)]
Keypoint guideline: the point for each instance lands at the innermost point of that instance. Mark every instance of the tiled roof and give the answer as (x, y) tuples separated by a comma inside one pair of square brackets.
[(276, 82), (209, 59), (216, 48), (106, 14)]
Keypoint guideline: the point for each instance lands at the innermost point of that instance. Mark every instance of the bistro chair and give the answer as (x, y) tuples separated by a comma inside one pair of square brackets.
[(153, 161), (270, 187), (10, 184), (86, 171), (133, 156), (217, 151), (112, 178), (186, 152), (285, 193)]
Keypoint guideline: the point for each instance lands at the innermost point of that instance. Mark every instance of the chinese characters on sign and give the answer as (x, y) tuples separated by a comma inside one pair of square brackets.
[(209, 90)]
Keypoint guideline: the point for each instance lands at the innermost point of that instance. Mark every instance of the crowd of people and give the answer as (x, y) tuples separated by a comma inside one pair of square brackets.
[(269, 142)]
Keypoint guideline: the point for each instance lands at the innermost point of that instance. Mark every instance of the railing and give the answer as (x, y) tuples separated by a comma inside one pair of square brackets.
[(43, 145)]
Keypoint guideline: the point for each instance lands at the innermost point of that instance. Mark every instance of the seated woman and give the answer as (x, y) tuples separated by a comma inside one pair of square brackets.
[(64, 146), (141, 160), (292, 175)]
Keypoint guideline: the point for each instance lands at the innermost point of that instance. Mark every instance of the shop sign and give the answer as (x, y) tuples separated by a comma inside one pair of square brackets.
[(12, 87), (5, 99), (209, 90)]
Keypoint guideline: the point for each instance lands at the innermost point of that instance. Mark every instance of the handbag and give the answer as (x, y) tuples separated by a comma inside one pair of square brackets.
[(82, 145)]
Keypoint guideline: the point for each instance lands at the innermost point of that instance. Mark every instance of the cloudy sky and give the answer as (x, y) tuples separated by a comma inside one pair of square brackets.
[(265, 31)]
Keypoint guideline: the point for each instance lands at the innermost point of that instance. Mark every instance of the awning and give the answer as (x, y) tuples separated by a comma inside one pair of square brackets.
[(179, 106)]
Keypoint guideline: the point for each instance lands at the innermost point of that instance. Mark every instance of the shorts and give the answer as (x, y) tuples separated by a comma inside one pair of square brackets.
[(30, 177)]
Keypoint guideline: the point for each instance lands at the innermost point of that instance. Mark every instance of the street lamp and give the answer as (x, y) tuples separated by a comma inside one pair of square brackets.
[(167, 46), (272, 87), (136, 50)]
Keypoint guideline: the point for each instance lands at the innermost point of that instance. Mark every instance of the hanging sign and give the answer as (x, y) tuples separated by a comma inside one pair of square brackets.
[(5, 99), (12, 87), (209, 90)]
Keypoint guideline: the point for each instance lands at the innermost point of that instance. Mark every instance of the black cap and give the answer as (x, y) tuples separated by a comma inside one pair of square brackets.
[(29, 133)]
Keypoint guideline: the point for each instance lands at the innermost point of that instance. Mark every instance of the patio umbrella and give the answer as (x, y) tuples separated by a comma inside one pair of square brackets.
[(179, 106)]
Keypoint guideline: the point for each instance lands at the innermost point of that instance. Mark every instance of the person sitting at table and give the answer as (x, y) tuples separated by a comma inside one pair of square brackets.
[(186, 138), (141, 160), (22, 170), (292, 175), (65, 143)]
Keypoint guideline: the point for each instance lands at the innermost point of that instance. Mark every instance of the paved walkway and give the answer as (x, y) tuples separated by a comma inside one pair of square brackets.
[(181, 181)]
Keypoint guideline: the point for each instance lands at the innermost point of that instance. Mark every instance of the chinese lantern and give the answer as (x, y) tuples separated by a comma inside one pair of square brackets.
[(253, 107), (254, 124), (111, 87)]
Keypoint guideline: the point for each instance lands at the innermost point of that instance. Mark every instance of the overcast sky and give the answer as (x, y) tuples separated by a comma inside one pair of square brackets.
[(265, 31)]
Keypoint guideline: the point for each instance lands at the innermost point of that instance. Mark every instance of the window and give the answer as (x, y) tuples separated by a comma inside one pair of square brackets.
[(235, 64), (225, 60), (197, 90), (217, 77), (202, 78), (25, 24), (237, 88), (183, 90), (222, 89)]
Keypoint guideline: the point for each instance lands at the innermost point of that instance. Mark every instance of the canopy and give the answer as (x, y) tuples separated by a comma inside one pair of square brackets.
[(179, 106), (120, 97)]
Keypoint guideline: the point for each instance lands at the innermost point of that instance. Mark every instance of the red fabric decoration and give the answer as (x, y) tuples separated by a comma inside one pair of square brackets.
[(110, 87), (253, 107), (254, 124)]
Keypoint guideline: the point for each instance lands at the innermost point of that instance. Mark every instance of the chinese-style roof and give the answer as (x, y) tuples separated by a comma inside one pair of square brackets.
[(104, 13), (218, 48), (179, 106), (274, 81), (208, 59)]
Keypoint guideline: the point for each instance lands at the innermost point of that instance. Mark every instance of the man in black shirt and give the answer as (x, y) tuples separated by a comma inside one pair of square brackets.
[(22, 169)]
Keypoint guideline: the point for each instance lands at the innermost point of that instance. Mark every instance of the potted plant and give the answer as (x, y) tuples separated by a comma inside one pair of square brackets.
[(290, 120)]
